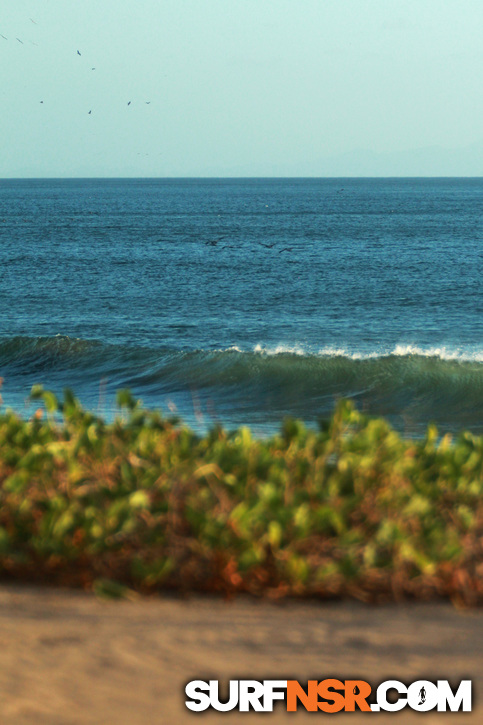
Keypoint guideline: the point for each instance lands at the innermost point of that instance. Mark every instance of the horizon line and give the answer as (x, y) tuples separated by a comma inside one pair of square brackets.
[(232, 178)]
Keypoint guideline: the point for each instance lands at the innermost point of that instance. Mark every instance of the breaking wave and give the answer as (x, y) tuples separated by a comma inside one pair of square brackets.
[(410, 384)]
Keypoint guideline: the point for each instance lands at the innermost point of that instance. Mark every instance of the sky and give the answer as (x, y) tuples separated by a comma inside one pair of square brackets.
[(241, 88)]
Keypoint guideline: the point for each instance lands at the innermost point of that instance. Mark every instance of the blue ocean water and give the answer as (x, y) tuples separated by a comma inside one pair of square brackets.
[(245, 300)]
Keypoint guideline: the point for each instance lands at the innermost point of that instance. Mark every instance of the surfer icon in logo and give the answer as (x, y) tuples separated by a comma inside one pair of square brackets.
[(422, 695)]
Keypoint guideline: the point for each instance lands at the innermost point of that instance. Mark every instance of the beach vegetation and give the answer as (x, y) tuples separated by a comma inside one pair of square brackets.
[(144, 504)]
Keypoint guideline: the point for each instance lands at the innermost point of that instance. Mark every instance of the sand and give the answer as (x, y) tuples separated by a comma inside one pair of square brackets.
[(67, 658)]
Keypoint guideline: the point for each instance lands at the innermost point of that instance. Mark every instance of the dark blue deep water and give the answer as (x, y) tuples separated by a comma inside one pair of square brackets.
[(242, 301)]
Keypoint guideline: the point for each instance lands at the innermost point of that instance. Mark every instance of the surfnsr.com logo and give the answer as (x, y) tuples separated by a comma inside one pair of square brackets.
[(329, 696)]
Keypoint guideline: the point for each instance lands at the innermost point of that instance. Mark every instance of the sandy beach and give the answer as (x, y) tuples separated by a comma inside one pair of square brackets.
[(67, 658)]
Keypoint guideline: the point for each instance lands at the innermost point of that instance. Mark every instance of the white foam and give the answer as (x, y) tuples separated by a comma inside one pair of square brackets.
[(400, 350), (443, 353), (280, 350)]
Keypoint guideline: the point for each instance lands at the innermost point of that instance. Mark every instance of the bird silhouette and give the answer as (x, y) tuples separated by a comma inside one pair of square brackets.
[(214, 242), (129, 103), (4, 37), (41, 101), (20, 41), (286, 249), (147, 103), (92, 68), (33, 21), (268, 246), (89, 113), (78, 52)]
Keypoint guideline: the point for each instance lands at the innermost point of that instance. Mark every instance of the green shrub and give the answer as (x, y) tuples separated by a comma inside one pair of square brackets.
[(144, 504)]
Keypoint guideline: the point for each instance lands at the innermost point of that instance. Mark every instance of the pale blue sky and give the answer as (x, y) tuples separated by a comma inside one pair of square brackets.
[(241, 87)]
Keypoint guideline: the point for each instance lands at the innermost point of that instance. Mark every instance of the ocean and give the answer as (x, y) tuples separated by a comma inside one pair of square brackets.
[(241, 301)]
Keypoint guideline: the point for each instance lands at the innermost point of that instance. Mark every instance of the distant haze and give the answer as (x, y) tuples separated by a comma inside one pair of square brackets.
[(241, 88)]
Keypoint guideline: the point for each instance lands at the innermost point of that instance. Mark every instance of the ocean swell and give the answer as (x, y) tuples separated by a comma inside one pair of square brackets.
[(410, 384)]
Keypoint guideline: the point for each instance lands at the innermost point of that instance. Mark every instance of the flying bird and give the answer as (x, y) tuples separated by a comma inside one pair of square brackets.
[(3, 36), (286, 249), (78, 52), (33, 21), (214, 242), (129, 103), (89, 113), (147, 103), (41, 101), (20, 41), (92, 68)]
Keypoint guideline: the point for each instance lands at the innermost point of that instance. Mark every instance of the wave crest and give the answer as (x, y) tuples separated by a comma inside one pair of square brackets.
[(400, 350)]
